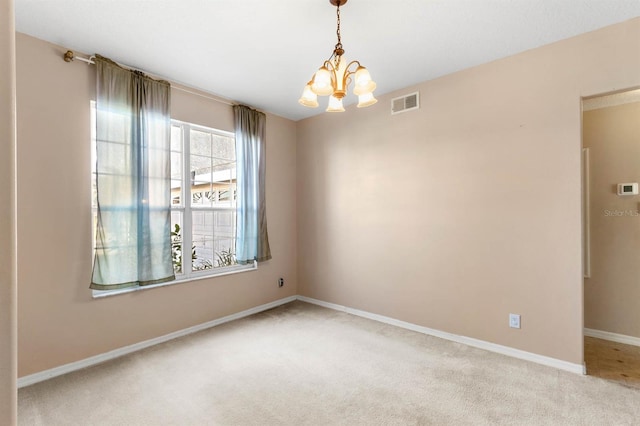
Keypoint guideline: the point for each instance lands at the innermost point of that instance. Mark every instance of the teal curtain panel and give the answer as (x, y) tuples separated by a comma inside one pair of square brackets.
[(133, 170), (252, 239)]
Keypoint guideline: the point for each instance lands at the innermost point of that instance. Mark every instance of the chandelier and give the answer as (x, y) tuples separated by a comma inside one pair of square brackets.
[(335, 75)]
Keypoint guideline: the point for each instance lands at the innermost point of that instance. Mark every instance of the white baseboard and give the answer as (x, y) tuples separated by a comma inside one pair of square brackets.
[(505, 350), (493, 347), (614, 337), (87, 362)]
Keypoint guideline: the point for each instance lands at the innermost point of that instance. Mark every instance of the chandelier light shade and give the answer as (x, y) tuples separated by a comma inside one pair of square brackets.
[(335, 75)]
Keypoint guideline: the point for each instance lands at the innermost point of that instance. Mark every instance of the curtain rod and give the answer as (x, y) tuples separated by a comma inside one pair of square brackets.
[(69, 56)]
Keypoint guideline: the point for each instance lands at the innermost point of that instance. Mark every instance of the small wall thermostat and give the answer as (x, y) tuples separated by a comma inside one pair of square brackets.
[(628, 188)]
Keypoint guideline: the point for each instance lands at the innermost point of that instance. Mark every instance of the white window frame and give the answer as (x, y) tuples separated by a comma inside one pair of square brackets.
[(187, 209)]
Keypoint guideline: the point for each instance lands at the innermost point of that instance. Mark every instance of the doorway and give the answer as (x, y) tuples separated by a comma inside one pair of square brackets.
[(611, 235)]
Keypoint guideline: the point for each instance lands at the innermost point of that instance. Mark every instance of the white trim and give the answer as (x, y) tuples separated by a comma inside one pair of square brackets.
[(613, 337), (611, 100), (586, 212), (493, 347), (228, 270), (88, 362)]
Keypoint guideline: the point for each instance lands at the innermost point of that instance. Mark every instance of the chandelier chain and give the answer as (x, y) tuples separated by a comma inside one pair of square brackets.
[(339, 44), (338, 15)]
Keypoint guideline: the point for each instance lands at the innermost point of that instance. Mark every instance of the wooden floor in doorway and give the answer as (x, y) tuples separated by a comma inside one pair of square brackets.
[(612, 361)]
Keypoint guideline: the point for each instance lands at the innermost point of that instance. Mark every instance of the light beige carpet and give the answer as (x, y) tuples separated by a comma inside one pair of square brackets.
[(304, 365)]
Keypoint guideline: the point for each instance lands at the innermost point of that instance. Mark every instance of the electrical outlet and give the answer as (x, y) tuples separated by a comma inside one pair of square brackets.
[(514, 320), (280, 282)]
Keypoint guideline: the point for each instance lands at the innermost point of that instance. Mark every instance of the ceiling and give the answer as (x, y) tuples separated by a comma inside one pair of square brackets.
[(262, 52)]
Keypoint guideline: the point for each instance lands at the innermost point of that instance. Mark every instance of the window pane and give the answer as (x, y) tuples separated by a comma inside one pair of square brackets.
[(202, 234), (213, 239), (200, 143), (176, 138), (176, 193), (224, 147), (224, 238), (213, 169), (176, 165), (200, 179), (176, 241), (176, 179)]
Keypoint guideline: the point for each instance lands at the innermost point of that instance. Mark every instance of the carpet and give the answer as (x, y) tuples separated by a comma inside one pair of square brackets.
[(301, 364)]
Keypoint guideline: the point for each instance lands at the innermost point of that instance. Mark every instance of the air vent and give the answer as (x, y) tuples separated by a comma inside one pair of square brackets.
[(405, 103)]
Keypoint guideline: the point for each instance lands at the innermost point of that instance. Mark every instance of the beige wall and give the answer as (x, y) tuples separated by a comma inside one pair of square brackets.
[(8, 354), (448, 217), (59, 322), (612, 293), (457, 214)]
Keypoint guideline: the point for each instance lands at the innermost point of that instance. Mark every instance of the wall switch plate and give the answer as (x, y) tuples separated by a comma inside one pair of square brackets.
[(280, 282), (514, 320)]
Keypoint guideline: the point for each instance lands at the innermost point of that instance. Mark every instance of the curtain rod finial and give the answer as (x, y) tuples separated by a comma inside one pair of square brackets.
[(68, 57)]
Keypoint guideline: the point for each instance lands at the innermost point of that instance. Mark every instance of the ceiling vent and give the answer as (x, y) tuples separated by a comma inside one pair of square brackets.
[(405, 103)]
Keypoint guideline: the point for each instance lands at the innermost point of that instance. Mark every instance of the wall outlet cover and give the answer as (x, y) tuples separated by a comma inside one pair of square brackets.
[(514, 320)]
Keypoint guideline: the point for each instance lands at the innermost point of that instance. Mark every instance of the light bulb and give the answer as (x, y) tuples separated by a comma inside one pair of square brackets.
[(364, 84), (308, 98), (335, 105), (322, 82), (362, 76), (366, 100)]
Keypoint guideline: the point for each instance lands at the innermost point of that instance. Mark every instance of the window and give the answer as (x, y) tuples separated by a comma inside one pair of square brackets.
[(203, 199), (203, 211)]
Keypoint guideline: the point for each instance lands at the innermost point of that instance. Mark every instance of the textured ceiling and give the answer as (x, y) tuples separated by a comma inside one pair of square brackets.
[(262, 52)]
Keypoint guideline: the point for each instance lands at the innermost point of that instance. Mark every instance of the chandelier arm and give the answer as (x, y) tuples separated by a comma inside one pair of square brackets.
[(329, 65), (334, 76), (351, 63), (346, 80)]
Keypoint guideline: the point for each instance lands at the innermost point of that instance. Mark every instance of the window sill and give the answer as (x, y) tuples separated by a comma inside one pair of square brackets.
[(99, 294)]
